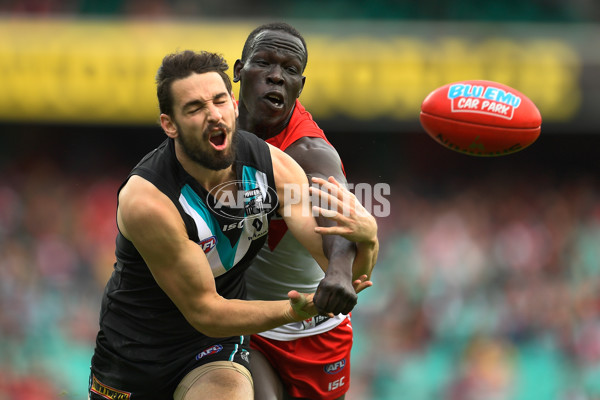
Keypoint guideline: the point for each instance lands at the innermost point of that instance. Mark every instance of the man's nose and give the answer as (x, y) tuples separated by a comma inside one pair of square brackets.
[(275, 75), (214, 114)]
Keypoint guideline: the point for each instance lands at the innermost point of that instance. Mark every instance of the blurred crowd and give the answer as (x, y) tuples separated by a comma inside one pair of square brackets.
[(486, 289), (490, 291), (488, 10), (57, 232)]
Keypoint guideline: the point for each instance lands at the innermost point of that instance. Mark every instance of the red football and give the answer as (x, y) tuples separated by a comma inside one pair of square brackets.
[(480, 118)]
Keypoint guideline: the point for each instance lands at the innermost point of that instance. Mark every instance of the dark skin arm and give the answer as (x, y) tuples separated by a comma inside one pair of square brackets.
[(335, 292)]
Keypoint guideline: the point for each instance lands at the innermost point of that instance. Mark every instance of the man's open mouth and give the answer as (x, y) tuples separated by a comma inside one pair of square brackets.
[(275, 98), (218, 139)]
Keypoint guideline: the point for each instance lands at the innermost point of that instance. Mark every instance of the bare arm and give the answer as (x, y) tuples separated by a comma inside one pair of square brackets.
[(335, 292), (319, 159), (354, 223), (150, 220), (295, 208)]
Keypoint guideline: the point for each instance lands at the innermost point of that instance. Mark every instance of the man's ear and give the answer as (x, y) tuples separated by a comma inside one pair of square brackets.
[(237, 67), (168, 126)]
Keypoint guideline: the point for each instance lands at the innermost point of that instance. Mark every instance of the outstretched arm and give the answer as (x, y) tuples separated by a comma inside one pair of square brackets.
[(354, 223), (335, 292), (151, 222)]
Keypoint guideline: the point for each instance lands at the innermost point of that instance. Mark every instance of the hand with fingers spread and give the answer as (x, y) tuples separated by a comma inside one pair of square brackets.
[(354, 222), (361, 283)]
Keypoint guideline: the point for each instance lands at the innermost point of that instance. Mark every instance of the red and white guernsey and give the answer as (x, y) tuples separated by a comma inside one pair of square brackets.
[(283, 264)]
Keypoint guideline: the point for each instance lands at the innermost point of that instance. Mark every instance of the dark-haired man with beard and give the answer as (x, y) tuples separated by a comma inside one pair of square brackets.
[(173, 322)]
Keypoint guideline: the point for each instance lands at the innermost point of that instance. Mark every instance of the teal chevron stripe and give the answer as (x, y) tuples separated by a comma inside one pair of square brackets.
[(226, 252)]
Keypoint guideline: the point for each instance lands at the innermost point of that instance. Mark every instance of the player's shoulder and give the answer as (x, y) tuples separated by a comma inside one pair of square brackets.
[(277, 155), (139, 193), (141, 204), (311, 143), (317, 157), (312, 147)]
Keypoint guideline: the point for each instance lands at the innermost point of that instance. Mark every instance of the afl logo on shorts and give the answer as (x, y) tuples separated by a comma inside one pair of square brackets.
[(336, 367), (211, 350), (208, 244)]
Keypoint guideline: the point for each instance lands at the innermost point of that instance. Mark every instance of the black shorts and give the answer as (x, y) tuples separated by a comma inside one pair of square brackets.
[(118, 379)]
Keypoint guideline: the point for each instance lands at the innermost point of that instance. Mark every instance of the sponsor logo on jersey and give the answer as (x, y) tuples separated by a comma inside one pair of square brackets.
[(211, 350), (258, 223), (208, 244), (253, 202), (335, 367), (235, 225), (245, 354), (314, 321)]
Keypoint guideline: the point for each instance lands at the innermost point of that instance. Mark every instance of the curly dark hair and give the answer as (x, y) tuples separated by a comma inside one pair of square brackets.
[(182, 64)]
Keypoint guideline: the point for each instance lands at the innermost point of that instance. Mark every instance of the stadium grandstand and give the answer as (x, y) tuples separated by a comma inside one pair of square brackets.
[(488, 279)]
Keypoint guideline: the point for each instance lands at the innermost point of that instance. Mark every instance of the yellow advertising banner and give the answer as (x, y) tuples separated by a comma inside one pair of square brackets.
[(102, 71)]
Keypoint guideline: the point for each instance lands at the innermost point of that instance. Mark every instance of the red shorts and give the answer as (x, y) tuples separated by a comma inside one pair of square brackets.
[(314, 367)]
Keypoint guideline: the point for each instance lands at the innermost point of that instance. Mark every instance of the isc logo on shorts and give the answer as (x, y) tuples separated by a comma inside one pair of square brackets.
[(336, 384), (335, 367), (211, 350)]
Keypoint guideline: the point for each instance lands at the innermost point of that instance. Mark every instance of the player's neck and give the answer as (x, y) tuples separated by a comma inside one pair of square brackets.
[(206, 177), (209, 179), (260, 129)]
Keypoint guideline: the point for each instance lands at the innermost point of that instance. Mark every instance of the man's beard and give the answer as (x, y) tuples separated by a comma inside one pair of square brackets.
[(213, 160)]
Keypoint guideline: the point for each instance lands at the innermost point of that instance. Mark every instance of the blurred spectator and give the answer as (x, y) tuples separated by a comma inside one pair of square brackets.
[(485, 372)]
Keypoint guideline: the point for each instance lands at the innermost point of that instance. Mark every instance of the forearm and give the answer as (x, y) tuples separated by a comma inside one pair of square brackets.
[(366, 257), (239, 317), (343, 253), (232, 317), (340, 252)]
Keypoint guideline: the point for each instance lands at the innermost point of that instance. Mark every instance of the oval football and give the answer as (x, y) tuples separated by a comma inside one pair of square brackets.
[(481, 118)]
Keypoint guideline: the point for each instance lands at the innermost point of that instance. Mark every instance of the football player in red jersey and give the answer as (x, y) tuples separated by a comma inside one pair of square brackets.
[(309, 359)]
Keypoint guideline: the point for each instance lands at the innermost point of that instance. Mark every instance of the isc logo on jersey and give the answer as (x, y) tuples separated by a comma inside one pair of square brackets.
[(208, 244), (211, 350)]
